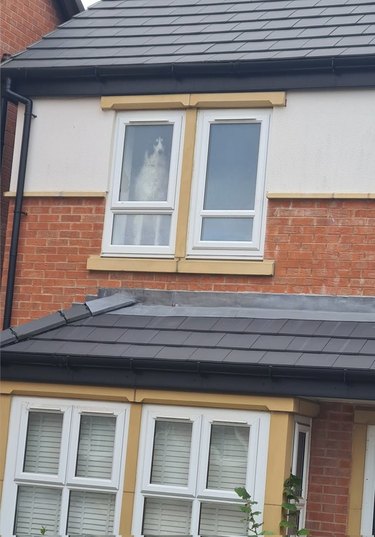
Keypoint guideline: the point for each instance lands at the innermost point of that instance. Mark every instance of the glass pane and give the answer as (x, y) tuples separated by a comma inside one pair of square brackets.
[(232, 166), (95, 446), (37, 507), (221, 520), (171, 455), (42, 452), (141, 229), (146, 163), (166, 517), (227, 229), (227, 464), (91, 513), (301, 458)]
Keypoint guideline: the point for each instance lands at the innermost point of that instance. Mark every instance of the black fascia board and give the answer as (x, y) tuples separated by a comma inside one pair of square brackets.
[(193, 376), (320, 73)]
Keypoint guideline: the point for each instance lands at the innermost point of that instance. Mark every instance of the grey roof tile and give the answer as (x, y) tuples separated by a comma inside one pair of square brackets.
[(280, 358), (176, 353), (344, 345), (39, 325), (101, 320), (163, 323), (170, 337), (141, 351), (247, 357), (368, 348), (335, 328), (272, 342), (108, 349), (76, 347), (297, 327), (199, 323), (238, 341), (210, 355), (317, 360), (6, 337), (133, 335), (134, 321), (266, 326), (21, 346), (231, 324), (313, 344), (364, 330), (76, 312), (353, 361), (204, 339)]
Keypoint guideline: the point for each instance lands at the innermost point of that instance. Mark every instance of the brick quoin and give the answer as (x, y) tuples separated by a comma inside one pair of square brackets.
[(330, 471), (321, 247)]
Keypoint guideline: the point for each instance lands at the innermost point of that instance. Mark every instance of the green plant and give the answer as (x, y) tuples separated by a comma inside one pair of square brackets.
[(292, 494), (43, 530), (251, 514)]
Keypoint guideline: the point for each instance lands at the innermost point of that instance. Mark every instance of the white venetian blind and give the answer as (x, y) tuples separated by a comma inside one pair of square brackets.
[(163, 517), (171, 455), (37, 507), (227, 463), (221, 520), (42, 452), (95, 446), (91, 513)]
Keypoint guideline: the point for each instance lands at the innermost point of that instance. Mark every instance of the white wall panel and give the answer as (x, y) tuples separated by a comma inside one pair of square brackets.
[(323, 141), (70, 146)]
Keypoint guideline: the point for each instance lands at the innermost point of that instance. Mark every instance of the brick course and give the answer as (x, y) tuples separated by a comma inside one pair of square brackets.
[(330, 471), (322, 247)]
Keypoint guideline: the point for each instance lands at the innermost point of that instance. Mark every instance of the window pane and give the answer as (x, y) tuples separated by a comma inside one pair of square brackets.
[(232, 166), (37, 507), (171, 456), (91, 513), (227, 229), (166, 517), (42, 452), (95, 446), (141, 229), (227, 463), (301, 458), (221, 520), (146, 163)]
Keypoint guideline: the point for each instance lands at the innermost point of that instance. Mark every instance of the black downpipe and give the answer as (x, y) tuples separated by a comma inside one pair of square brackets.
[(16, 98)]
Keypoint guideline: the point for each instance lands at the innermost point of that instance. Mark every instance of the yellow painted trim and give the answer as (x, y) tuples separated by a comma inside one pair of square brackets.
[(183, 266), (130, 470), (278, 468), (186, 180), (5, 402), (130, 264), (357, 479), (250, 268), (307, 408), (321, 195), (194, 100), (60, 194), (365, 416)]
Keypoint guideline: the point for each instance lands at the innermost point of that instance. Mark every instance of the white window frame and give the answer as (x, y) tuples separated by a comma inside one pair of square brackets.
[(227, 249), (196, 491), (369, 485), (65, 480), (168, 207), (302, 425)]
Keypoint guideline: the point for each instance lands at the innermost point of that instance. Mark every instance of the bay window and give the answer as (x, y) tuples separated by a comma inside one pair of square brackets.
[(191, 460), (65, 468)]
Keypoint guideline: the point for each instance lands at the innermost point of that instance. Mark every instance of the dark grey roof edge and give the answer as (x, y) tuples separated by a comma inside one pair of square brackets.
[(309, 73), (62, 317), (198, 377), (69, 8)]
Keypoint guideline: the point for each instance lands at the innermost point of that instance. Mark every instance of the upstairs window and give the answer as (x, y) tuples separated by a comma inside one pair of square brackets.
[(190, 462), (227, 203), (64, 469)]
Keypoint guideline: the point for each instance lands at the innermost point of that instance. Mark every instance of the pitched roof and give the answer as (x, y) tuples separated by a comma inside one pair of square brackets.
[(135, 47), (174, 345), (127, 33)]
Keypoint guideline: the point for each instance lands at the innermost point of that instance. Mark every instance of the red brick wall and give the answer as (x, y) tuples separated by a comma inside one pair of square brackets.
[(22, 22), (320, 247), (330, 471)]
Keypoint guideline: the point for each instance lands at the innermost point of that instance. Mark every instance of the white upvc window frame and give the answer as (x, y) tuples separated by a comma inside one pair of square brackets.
[(196, 491), (254, 249), (302, 425), (65, 480), (168, 207), (368, 501)]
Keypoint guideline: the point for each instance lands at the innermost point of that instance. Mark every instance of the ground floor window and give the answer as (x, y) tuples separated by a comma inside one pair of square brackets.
[(64, 468), (191, 460)]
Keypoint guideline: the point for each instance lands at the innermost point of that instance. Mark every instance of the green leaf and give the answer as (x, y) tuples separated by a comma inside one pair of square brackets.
[(303, 532), (286, 524), (289, 506), (242, 493)]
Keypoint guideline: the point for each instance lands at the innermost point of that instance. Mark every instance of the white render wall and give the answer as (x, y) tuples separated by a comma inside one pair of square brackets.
[(322, 141)]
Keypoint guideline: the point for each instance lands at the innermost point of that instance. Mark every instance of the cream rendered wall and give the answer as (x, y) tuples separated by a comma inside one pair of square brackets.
[(70, 146), (322, 141)]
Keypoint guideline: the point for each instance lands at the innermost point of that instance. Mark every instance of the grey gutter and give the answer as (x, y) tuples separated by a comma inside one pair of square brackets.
[(352, 71), (190, 376)]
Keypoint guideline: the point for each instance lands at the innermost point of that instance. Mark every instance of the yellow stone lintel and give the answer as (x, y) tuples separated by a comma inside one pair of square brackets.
[(131, 264), (195, 100), (321, 195), (365, 416), (58, 194)]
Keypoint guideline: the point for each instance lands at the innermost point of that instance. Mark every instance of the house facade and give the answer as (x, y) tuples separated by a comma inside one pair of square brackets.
[(219, 159)]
